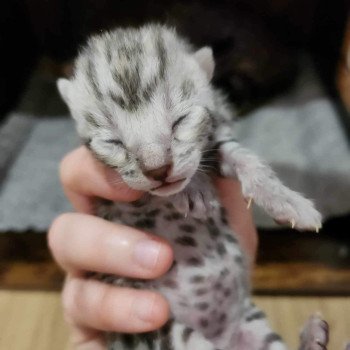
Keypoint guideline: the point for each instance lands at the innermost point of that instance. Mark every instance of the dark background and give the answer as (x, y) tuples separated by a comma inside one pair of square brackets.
[(31, 29)]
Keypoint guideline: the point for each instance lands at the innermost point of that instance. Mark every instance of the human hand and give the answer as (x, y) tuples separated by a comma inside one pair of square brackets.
[(238, 215), (81, 242)]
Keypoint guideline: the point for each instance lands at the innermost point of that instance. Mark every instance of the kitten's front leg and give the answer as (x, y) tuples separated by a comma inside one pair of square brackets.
[(259, 183), (197, 199)]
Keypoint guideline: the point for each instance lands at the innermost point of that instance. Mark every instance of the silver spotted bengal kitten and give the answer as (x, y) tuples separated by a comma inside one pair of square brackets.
[(144, 106)]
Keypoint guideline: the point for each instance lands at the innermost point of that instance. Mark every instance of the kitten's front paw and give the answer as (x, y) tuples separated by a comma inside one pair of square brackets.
[(197, 203), (298, 212), (287, 207)]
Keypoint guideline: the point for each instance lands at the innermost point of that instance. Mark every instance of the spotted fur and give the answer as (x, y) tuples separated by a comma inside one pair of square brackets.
[(143, 103)]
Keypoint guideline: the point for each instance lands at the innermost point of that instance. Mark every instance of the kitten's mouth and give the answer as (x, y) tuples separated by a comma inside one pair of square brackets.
[(168, 188)]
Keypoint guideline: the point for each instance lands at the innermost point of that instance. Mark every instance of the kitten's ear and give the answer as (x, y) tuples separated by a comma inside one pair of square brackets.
[(205, 59), (64, 87)]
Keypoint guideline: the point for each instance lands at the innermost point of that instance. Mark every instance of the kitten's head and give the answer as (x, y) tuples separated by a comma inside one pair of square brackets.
[(141, 100)]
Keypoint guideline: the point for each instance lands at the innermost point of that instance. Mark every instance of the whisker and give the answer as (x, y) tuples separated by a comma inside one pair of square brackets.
[(116, 182), (207, 168), (209, 150), (202, 171), (209, 157), (206, 164)]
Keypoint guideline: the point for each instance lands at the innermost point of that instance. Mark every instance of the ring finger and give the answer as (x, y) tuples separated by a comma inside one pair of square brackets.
[(91, 304)]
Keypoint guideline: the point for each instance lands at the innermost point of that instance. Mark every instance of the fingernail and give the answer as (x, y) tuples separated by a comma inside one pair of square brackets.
[(143, 308), (147, 253)]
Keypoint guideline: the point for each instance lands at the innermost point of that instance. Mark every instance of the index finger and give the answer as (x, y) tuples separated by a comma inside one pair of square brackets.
[(85, 179), (238, 215)]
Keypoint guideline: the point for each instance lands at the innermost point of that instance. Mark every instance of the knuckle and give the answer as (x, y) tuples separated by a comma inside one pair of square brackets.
[(57, 229), (161, 311), (67, 318), (165, 260), (65, 176), (153, 316), (108, 300), (65, 169), (70, 300), (103, 307)]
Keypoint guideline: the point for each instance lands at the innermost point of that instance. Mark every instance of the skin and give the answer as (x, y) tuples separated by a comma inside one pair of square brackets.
[(81, 242)]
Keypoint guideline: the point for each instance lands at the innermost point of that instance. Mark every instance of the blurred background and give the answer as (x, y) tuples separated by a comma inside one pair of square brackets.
[(284, 64)]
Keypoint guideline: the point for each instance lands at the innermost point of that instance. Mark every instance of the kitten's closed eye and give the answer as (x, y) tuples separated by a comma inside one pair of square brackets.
[(115, 142), (177, 122)]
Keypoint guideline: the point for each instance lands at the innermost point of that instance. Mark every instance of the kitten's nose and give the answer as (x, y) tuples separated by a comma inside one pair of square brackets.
[(159, 174)]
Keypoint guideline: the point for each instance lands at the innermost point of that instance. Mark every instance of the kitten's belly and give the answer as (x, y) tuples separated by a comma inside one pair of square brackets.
[(207, 285), (208, 277)]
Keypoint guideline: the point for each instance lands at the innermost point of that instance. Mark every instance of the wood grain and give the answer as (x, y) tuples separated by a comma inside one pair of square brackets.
[(33, 320), (301, 279), (288, 314), (268, 279), (288, 264)]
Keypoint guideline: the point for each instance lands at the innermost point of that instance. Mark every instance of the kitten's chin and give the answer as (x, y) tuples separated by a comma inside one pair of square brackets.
[(169, 189)]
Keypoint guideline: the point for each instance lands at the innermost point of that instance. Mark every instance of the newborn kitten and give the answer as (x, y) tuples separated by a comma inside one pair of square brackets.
[(143, 104)]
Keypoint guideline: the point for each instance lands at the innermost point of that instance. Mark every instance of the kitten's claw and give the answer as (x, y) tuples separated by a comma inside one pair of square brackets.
[(292, 223), (250, 201), (290, 207)]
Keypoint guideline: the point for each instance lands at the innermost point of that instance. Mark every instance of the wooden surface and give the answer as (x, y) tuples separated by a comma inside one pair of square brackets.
[(33, 320), (289, 263), (268, 279)]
